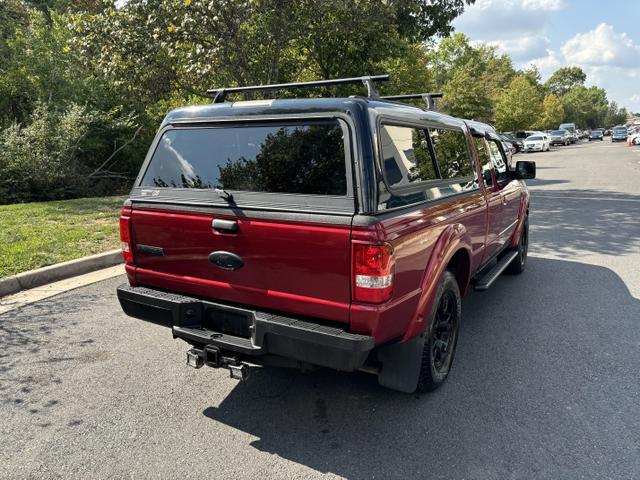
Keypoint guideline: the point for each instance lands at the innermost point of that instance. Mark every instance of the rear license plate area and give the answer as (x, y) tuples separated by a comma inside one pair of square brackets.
[(234, 323)]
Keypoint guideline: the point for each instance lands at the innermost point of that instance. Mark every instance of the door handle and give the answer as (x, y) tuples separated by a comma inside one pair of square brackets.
[(226, 226)]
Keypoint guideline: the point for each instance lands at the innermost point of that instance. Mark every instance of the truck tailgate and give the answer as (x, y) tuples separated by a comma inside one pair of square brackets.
[(298, 267)]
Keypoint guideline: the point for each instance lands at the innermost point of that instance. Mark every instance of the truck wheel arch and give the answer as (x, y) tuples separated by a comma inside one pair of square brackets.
[(460, 266), (452, 251)]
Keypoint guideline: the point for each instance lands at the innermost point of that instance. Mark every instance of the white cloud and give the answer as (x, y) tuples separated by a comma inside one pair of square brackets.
[(543, 4), (521, 28), (550, 5), (602, 46), (516, 27), (523, 48), (547, 64)]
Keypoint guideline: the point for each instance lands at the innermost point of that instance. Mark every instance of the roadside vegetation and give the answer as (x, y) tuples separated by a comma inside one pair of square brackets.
[(34, 235), (84, 84)]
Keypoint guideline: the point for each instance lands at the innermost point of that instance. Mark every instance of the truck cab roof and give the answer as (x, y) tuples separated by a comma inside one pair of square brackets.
[(351, 106)]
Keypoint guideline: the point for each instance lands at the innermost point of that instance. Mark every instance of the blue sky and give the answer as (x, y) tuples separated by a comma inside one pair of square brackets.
[(602, 37)]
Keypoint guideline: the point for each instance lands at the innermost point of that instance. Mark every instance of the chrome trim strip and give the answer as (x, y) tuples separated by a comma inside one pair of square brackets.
[(502, 232)]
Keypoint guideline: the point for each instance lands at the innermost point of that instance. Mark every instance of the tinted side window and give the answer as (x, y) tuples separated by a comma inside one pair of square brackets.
[(452, 153), (405, 155), (452, 175), (300, 158)]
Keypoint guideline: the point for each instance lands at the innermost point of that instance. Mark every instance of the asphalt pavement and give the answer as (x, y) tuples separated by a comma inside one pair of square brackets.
[(545, 384)]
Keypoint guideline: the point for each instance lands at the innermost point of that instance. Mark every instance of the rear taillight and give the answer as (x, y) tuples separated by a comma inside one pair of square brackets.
[(372, 272), (125, 236)]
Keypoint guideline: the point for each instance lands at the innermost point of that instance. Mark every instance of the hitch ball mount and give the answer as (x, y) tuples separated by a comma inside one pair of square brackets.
[(212, 357)]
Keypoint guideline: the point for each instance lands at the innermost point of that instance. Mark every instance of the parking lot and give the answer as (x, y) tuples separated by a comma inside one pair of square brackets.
[(545, 383)]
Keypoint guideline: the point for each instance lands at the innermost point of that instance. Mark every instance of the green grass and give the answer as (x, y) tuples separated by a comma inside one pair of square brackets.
[(34, 235)]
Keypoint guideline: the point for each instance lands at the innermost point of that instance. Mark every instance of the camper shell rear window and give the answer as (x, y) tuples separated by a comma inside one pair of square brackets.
[(286, 157)]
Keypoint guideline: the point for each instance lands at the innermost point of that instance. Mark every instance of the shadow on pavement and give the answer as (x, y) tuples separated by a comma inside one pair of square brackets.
[(540, 183), (545, 385), (30, 334), (565, 221)]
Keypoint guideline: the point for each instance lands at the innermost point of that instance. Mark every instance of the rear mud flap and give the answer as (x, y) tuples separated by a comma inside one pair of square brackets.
[(401, 364)]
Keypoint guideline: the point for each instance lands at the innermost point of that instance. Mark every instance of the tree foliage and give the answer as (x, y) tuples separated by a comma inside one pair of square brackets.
[(564, 79), (471, 77), (419, 20), (586, 106), (519, 106), (109, 71), (552, 113), (616, 115)]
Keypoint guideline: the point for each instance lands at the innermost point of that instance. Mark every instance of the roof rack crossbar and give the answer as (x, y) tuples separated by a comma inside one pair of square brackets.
[(219, 94), (427, 97)]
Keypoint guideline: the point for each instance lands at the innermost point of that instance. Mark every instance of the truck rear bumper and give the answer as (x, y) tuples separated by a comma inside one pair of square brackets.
[(246, 333)]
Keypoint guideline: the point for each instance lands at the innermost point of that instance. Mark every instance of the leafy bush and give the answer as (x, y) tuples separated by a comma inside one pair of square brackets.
[(53, 155)]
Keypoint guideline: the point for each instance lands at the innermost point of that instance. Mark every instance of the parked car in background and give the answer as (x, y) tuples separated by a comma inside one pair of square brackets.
[(522, 134), (560, 137), (607, 132), (635, 138), (515, 143), (537, 143), (571, 128), (596, 134), (619, 134)]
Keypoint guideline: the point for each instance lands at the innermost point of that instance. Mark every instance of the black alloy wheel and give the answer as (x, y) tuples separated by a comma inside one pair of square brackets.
[(444, 332), (442, 338)]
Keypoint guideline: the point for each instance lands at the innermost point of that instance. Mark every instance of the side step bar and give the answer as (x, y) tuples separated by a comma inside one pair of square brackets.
[(486, 280)]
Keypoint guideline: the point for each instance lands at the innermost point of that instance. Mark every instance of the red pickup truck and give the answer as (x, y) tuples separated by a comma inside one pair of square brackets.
[(331, 232)]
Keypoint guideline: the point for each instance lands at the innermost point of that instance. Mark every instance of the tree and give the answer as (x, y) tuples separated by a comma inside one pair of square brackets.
[(451, 55), (472, 77), (498, 73), (564, 79), (532, 74), (552, 113), (615, 115), (519, 106), (409, 72), (419, 20), (466, 97), (586, 107), (197, 45)]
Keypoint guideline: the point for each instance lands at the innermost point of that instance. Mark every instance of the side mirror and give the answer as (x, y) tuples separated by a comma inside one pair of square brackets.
[(525, 170)]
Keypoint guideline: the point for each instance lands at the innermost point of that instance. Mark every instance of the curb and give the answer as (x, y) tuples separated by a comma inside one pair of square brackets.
[(59, 271)]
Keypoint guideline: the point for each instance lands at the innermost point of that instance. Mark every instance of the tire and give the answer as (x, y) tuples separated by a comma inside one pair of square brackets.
[(519, 263), (441, 340)]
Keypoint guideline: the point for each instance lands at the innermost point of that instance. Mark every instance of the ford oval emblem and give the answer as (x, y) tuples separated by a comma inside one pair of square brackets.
[(226, 260)]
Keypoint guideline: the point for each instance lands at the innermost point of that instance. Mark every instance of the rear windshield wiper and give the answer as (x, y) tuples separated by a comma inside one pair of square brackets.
[(222, 193)]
